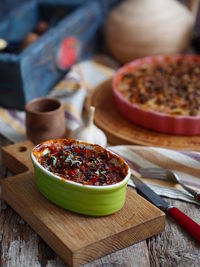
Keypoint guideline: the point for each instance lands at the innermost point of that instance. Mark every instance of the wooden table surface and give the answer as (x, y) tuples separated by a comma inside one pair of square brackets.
[(20, 246)]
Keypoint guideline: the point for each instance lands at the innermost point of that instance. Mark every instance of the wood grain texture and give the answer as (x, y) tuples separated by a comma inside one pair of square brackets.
[(119, 130), (175, 247), (77, 239), (20, 246), (16, 157)]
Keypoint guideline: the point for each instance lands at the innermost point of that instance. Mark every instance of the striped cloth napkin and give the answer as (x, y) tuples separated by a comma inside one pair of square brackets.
[(186, 164), (72, 91)]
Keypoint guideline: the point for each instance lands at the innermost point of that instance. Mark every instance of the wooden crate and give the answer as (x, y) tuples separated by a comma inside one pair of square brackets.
[(34, 71)]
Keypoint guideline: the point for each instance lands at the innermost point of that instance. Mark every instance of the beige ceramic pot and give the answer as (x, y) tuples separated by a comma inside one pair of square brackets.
[(138, 28)]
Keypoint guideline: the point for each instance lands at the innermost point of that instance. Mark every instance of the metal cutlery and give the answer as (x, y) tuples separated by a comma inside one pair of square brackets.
[(171, 176), (181, 218)]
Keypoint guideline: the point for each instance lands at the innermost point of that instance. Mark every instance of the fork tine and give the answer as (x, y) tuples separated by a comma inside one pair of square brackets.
[(153, 169), (156, 176), (146, 174), (153, 172)]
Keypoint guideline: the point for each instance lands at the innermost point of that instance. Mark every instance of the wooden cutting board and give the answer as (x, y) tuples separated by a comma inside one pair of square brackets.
[(120, 130), (76, 239)]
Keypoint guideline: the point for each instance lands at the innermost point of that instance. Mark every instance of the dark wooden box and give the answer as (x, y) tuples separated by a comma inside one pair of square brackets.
[(36, 69)]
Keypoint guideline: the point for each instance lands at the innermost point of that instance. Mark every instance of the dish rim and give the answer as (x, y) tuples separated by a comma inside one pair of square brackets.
[(151, 60), (95, 187)]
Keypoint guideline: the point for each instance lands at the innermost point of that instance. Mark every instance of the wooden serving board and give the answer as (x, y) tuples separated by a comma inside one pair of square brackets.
[(121, 131), (76, 239)]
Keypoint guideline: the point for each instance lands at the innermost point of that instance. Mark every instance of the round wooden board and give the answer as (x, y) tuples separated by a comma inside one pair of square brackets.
[(120, 131)]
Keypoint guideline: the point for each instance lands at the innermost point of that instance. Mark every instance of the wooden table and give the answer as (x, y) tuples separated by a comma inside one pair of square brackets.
[(20, 246)]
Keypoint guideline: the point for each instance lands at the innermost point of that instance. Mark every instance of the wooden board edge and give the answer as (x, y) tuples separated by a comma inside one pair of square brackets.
[(14, 165), (12, 156), (24, 211), (26, 143), (86, 254), (119, 241)]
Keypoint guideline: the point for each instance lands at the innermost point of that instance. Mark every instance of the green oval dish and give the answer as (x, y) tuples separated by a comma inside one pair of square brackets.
[(84, 199)]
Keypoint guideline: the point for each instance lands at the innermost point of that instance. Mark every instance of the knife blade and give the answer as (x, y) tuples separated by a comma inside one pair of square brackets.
[(181, 218)]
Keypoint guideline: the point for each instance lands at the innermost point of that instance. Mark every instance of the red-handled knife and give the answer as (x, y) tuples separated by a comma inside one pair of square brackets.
[(181, 218), (198, 196)]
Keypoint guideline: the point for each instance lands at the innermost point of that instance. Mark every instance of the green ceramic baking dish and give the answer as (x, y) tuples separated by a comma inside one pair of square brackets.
[(84, 199)]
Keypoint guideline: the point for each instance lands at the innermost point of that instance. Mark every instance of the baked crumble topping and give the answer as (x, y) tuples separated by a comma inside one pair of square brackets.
[(167, 87)]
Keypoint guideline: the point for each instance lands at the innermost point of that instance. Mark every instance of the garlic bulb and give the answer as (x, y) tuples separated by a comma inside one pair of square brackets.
[(90, 133)]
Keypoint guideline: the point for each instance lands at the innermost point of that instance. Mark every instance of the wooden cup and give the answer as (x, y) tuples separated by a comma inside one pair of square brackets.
[(45, 119)]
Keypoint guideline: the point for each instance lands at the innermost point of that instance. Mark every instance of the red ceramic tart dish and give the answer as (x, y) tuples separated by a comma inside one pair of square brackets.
[(161, 93)]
